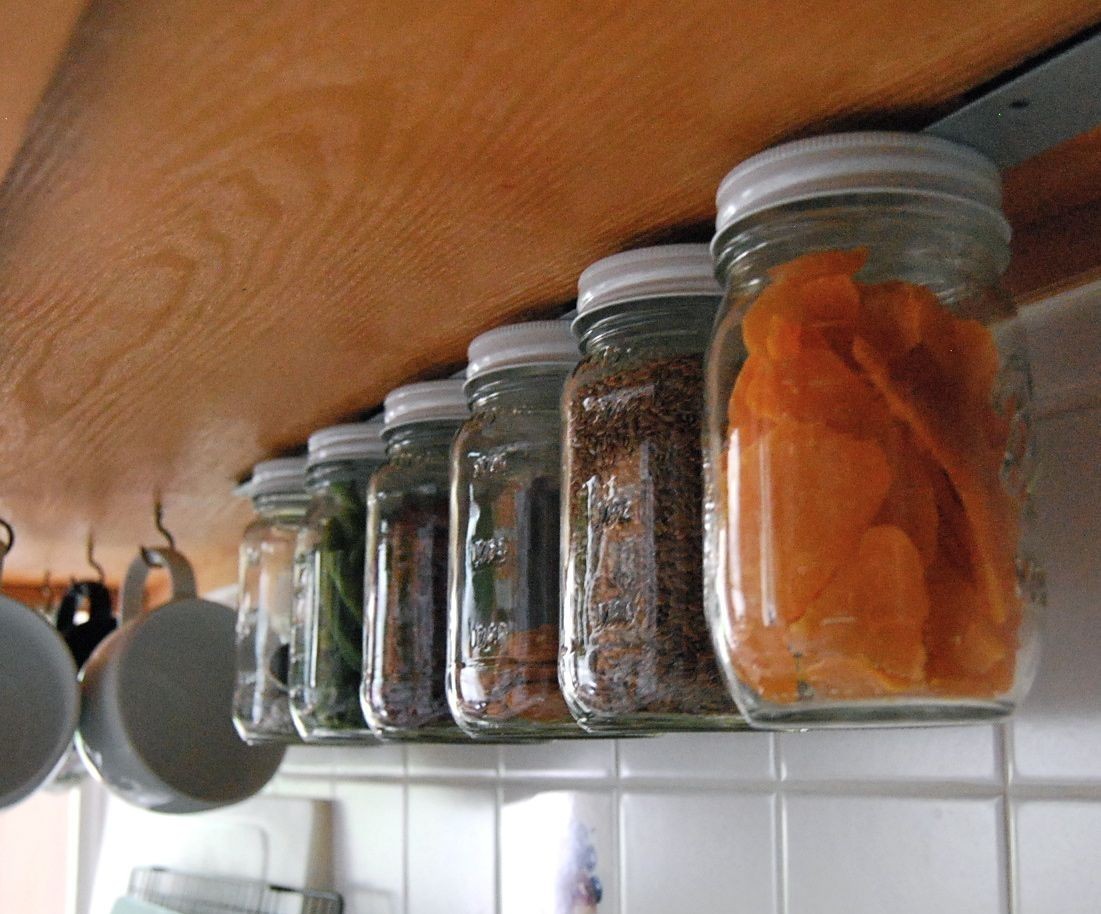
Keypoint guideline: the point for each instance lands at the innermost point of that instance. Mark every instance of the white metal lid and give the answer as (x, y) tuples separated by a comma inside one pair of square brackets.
[(860, 162), (426, 401), (282, 476), (656, 272), (353, 441), (530, 343)]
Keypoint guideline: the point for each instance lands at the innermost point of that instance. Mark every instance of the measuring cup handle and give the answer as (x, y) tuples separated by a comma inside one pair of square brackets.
[(133, 588)]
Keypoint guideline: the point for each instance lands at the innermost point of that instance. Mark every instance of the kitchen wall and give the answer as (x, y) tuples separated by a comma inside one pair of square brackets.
[(978, 819)]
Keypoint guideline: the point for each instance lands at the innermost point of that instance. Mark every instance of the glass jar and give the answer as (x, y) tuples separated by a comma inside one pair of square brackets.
[(405, 649), (265, 601), (868, 439), (506, 475), (326, 656), (636, 652)]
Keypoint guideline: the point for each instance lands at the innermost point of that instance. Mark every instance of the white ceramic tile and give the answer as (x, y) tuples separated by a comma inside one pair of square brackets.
[(300, 786), (451, 834), (703, 853), (1057, 732), (308, 760), (368, 761), (368, 848), (1064, 341), (703, 756), (962, 754), (445, 760), (558, 852), (1057, 846), (579, 758), (867, 855)]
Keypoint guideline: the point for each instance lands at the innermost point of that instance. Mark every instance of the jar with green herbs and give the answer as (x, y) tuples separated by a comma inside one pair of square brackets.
[(636, 653), (405, 647), (506, 480), (326, 656), (261, 705)]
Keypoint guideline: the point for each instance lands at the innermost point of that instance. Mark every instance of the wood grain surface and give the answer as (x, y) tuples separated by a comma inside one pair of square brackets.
[(231, 223), (33, 36)]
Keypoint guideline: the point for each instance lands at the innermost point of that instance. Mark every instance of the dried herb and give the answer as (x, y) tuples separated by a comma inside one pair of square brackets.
[(510, 668), (407, 670), (518, 682), (636, 539)]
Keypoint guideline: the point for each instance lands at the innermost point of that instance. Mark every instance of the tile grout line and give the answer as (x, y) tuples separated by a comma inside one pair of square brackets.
[(405, 848), (1009, 831), (779, 828), (912, 788), (498, 869), (780, 850), (619, 837)]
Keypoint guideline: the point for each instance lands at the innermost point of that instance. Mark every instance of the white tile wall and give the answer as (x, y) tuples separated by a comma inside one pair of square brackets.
[(558, 851), (1057, 843), (703, 853), (867, 855), (451, 849), (1005, 820)]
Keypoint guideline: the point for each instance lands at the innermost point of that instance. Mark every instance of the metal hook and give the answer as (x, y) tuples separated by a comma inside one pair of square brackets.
[(90, 555), (158, 521), (9, 542)]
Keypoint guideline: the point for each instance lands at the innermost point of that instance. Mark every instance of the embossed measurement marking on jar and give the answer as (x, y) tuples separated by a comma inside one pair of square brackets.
[(489, 638), (495, 461), (618, 611), (610, 504), (619, 402), (487, 552)]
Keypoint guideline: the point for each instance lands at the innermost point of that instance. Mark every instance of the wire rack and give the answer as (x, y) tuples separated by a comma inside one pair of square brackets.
[(187, 893)]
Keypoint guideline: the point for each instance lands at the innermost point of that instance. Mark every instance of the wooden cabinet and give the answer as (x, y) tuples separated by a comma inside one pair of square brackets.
[(231, 223)]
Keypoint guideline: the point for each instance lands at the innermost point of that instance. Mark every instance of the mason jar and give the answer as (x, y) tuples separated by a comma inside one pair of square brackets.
[(405, 649), (869, 460), (326, 656), (265, 601), (636, 653), (506, 470)]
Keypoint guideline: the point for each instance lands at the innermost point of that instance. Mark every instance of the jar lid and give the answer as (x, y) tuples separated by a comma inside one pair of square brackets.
[(865, 162), (530, 343), (426, 401), (283, 476), (657, 272), (353, 441)]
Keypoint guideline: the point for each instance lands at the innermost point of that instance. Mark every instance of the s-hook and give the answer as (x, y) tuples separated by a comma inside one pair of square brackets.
[(89, 553), (158, 522)]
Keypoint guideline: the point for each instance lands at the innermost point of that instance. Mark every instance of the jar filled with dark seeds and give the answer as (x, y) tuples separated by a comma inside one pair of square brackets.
[(261, 707), (405, 647), (326, 657), (636, 650), (506, 473)]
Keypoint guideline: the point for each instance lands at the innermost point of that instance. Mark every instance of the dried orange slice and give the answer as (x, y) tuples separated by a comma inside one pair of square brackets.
[(816, 386), (958, 444), (764, 661), (872, 612), (804, 494), (911, 502)]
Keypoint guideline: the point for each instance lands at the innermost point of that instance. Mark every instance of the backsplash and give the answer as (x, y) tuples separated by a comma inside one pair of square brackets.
[(999, 819)]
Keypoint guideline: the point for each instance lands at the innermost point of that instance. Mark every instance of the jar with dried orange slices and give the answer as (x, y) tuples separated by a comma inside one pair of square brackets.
[(868, 456)]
